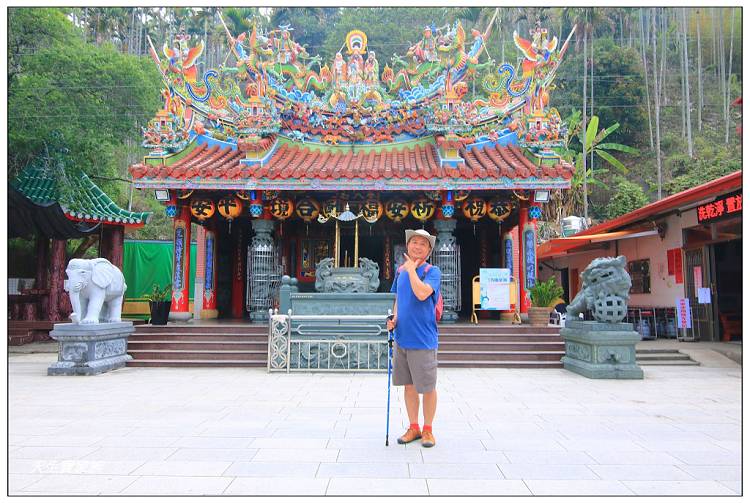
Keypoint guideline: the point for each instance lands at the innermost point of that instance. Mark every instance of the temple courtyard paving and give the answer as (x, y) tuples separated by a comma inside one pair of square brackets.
[(234, 431)]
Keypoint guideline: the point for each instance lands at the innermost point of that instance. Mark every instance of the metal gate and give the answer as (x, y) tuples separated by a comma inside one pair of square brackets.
[(702, 314)]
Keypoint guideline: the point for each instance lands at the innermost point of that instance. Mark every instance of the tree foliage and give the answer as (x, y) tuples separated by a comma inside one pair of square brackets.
[(95, 96), (85, 71), (626, 196)]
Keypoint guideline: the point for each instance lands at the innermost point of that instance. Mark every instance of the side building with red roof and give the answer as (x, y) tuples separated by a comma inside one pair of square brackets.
[(685, 246)]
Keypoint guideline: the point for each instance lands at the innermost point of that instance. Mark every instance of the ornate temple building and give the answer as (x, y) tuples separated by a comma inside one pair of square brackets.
[(291, 165)]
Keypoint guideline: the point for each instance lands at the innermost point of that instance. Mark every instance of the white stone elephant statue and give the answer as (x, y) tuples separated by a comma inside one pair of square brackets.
[(94, 284)]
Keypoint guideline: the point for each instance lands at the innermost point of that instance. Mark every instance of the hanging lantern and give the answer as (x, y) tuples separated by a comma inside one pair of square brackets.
[(230, 207), (256, 204), (307, 209), (499, 209), (329, 206), (356, 201), (372, 209), (396, 209), (171, 210), (422, 209), (535, 212), (461, 194), (447, 205), (474, 208), (281, 208), (202, 208)]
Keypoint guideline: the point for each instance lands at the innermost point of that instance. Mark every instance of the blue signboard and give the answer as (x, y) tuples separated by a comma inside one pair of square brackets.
[(179, 247), (509, 255), (529, 253), (209, 262)]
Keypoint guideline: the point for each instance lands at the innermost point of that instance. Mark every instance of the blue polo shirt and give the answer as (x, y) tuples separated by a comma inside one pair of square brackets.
[(416, 327)]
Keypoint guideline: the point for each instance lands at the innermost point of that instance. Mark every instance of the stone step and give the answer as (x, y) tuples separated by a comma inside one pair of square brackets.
[(197, 363), (662, 357), (667, 363), (500, 356), (468, 329), (199, 337), (500, 337), (649, 351), (178, 354), (206, 329), (504, 364), (198, 345), (500, 346)]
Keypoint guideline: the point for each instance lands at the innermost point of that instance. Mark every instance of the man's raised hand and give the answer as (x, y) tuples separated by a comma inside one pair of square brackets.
[(410, 265)]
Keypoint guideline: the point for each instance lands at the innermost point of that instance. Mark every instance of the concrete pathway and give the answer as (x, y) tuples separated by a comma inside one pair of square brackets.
[(147, 431)]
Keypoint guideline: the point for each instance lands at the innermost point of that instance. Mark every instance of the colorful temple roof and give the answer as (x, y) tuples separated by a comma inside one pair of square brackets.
[(61, 205), (297, 166), (269, 119)]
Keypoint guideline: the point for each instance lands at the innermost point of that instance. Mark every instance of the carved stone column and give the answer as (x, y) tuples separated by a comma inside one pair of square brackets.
[(447, 256), (264, 270)]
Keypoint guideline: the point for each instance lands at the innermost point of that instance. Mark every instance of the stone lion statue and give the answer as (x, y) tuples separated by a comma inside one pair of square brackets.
[(605, 290), (95, 286)]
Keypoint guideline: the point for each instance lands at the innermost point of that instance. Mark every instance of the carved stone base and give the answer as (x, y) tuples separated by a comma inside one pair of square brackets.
[(90, 349), (449, 317), (601, 350), (180, 315), (260, 316)]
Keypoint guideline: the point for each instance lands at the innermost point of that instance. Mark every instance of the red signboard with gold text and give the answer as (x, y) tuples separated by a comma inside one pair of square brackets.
[(725, 206)]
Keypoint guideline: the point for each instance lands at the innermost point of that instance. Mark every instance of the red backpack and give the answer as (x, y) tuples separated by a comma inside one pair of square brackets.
[(439, 303)]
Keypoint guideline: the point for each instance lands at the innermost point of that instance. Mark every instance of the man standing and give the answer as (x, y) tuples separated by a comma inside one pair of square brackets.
[(417, 287)]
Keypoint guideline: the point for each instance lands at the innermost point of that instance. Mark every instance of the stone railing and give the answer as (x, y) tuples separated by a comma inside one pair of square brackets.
[(328, 331)]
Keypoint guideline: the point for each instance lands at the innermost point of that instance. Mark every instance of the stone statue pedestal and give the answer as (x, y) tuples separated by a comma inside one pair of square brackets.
[(90, 349), (601, 350)]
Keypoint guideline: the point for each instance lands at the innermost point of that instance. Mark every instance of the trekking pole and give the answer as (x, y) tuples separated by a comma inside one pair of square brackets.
[(390, 358)]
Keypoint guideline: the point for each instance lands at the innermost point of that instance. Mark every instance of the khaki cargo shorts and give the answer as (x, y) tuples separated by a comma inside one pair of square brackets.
[(415, 366)]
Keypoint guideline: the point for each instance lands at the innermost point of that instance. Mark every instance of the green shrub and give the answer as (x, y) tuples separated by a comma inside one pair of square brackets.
[(159, 294), (545, 292)]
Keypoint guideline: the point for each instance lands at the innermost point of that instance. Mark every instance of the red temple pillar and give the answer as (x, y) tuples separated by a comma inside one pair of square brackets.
[(56, 281), (180, 309), (210, 309), (42, 275), (111, 246), (238, 273)]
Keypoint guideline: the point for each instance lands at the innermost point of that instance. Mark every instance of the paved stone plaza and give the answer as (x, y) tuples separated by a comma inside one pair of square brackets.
[(233, 431)]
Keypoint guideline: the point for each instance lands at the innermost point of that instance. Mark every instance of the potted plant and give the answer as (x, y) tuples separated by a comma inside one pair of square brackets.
[(159, 302), (543, 295)]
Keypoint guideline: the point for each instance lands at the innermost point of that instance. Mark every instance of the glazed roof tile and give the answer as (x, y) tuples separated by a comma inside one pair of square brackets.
[(301, 162), (79, 198)]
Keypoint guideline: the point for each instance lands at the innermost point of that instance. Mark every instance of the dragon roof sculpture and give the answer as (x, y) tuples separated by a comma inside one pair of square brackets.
[(270, 85)]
